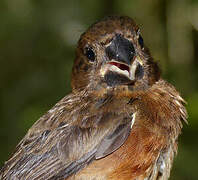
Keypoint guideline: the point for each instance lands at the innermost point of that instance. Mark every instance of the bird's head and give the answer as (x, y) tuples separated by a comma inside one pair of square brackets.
[(111, 54)]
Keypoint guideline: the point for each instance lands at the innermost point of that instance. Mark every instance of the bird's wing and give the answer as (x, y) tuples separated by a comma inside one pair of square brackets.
[(63, 150)]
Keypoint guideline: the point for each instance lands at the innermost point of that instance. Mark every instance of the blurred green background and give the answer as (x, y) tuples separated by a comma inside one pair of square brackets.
[(37, 46)]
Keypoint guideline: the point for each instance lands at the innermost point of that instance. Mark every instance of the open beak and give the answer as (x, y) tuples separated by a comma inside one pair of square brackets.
[(122, 68), (122, 58)]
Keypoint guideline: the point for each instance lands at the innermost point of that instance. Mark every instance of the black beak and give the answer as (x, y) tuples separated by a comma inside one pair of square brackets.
[(121, 50)]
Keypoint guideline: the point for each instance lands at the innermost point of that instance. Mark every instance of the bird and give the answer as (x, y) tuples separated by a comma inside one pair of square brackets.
[(121, 120)]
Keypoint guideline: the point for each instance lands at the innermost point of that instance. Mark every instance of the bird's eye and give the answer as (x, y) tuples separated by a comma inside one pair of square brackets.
[(89, 53), (141, 41)]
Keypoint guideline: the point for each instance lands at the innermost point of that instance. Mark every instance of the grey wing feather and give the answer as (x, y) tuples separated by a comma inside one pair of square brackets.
[(55, 151), (113, 141), (76, 148), (45, 164)]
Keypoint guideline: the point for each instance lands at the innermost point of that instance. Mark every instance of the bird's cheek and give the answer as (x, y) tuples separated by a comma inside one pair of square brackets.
[(137, 69), (139, 72)]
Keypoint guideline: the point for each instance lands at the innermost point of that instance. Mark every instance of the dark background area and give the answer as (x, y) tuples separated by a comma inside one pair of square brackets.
[(37, 48)]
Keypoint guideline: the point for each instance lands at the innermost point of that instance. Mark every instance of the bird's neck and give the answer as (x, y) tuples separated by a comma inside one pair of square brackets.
[(101, 91)]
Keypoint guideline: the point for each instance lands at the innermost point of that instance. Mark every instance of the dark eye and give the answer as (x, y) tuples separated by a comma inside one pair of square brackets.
[(141, 41), (89, 53)]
